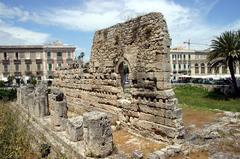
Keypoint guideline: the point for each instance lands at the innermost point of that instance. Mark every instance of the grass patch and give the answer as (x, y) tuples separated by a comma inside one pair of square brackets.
[(200, 98), (14, 139)]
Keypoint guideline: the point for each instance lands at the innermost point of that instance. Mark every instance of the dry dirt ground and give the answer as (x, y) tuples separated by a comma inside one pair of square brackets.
[(198, 117), (126, 142), (194, 120)]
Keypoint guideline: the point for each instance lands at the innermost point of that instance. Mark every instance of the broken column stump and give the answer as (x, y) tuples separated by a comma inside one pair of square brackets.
[(40, 108), (59, 115), (75, 128), (97, 134)]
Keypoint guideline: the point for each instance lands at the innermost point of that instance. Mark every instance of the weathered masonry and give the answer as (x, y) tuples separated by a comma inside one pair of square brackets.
[(128, 79)]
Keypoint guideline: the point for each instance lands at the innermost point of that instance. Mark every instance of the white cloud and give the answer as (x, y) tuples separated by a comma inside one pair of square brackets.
[(17, 35), (183, 22), (13, 12)]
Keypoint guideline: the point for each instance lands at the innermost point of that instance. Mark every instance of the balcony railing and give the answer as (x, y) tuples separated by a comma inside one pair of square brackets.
[(6, 61), (17, 73), (38, 61), (17, 61), (28, 61)]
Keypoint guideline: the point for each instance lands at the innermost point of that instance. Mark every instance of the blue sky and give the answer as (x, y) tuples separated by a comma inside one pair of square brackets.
[(74, 21)]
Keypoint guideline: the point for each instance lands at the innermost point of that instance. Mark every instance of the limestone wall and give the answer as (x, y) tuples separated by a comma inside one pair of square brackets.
[(147, 105)]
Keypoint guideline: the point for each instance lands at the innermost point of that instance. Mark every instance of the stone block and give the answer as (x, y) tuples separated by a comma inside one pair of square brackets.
[(59, 113), (171, 103), (157, 155), (166, 94), (176, 123), (157, 129), (137, 154), (30, 102), (174, 114), (75, 128), (41, 108), (97, 134), (162, 85), (60, 108), (152, 110), (151, 118)]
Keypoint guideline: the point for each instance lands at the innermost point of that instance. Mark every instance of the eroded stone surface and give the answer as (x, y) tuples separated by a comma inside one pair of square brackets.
[(141, 47), (97, 134), (75, 128)]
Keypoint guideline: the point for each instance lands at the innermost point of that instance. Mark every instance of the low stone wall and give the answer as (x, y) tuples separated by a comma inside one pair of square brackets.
[(84, 136)]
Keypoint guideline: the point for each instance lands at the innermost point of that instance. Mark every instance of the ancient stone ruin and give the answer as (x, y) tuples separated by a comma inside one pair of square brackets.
[(92, 130), (128, 78), (127, 86)]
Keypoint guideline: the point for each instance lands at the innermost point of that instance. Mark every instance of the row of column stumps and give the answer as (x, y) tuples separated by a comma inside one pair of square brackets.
[(94, 128)]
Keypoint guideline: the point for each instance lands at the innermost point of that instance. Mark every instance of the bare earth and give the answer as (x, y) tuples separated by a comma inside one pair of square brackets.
[(126, 143)]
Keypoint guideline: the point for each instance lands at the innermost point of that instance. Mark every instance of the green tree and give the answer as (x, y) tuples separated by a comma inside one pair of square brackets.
[(225, 49), (80, 58), (33, 80), (10, 79)]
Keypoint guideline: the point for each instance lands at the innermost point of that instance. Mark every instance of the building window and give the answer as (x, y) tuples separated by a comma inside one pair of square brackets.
[(189, 56), (49, 54), (216, 70), (59, 56), (38, 66), (184, 66), (209, 70), (28, 67), (5, 68), (202, 68), (174, 66), (17, 67), (196, 69), (16, 54), (5, 56), (179, 66), (184, 56), (69, 54), (49, 67), (224, 69)]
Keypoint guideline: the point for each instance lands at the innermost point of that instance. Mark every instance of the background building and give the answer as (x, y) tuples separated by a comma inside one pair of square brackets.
[(23, 61), (194, 63)]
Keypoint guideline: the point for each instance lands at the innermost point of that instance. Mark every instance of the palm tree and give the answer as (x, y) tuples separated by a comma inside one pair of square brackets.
[(225, 50)]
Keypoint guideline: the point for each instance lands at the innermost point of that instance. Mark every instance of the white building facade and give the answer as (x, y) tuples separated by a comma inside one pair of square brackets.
[(194, 63)]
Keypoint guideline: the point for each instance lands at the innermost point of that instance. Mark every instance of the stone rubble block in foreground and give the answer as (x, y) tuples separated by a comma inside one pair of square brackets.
[(97, 134), (75, 128)]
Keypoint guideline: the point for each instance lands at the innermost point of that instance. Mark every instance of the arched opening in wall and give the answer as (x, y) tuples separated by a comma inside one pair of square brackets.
[(202, 68), (224, 69), (216, 69), (196, 69), (123, 70), (209, 68)]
